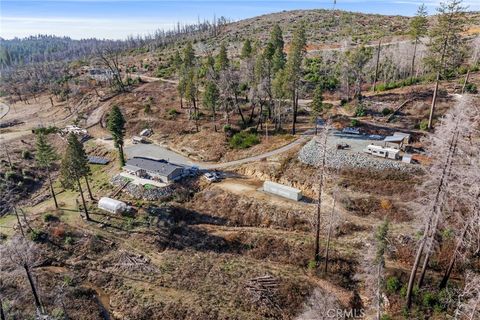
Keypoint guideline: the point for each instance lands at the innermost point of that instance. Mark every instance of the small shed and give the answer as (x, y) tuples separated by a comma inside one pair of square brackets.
[(282, 191), (407, 158), (112, 205), (398, 140)]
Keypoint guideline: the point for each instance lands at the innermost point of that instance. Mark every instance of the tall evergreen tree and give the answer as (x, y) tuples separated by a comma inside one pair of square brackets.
[(116, 126), (46, 157), (293, 69), (221, 60), (317, 104), (74, 166), (210, 100), (418, 29), (447, 45), (246, 49)]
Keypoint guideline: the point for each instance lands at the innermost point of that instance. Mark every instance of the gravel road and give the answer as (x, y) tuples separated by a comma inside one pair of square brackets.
[(159, 152)]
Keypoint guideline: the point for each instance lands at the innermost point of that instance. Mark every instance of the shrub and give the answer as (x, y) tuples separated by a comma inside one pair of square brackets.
[(360, 111), (243, 140), (423, 125), (385, 317), (58, 232), (26, 154), (312, 264), (69, 240), (354, 123), (429, 299), (50, 218), (387, 111), (172, 113), (12, 176), (37, 235), (471, 88), (67, 280), (147, 109), (392, 285)]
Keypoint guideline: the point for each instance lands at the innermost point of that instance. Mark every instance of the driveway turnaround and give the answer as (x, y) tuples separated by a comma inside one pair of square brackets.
[(159, 152)]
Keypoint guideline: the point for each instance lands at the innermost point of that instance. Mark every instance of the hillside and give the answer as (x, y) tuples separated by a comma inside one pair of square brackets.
[(204, 119)]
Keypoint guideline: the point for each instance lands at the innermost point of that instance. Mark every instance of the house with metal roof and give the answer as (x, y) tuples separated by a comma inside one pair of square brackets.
[(156, 169)]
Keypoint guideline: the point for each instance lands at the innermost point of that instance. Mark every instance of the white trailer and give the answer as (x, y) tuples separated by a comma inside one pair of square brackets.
[(112, 205), (382, 152), (282, 191)]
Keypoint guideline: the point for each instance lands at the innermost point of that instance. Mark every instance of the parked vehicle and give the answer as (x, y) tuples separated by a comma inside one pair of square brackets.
[(211, 177), (137, 139)]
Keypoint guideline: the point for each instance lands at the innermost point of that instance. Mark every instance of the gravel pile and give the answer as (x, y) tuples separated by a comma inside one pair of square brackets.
[(139, 192), (312, 153)]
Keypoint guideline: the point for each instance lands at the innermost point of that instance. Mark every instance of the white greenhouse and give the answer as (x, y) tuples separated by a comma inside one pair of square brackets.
[(112, 205)]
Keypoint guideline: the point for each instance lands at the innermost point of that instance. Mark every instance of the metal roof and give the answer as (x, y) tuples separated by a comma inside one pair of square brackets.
[(97, 160), (161, 167), (394, 139)]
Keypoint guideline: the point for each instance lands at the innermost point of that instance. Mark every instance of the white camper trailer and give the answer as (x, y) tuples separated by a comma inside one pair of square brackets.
[(382, 152)]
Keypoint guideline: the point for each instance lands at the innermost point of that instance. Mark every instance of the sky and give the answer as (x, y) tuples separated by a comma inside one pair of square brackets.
[(117, 19)]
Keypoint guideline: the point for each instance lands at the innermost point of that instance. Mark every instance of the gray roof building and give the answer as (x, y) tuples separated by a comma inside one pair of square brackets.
[(160, 169)]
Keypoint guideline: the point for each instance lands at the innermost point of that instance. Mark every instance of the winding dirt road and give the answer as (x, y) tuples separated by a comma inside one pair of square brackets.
[(159, 152)]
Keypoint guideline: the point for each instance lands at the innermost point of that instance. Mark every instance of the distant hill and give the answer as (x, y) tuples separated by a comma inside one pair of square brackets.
[(325, 28)]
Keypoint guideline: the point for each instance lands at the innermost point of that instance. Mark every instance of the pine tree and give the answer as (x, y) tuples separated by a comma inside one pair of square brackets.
[(293, 69), (246, 49), (381, 247), (317, 104), (221, 60), (46, 157), (210, 100), (116, 126), (74, 166), (418, 30), (447, 45)]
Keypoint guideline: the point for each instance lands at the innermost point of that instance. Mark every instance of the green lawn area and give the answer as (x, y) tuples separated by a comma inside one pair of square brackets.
[(7, 222)]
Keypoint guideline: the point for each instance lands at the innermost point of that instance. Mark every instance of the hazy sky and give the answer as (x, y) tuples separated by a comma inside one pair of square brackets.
[(119, 18)]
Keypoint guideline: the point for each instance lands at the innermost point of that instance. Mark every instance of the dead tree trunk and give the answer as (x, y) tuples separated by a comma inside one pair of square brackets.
[(18, 221), (319, 199), (88, 184), (2, 313), (412, 70), (433, 213), (459, 244), (36, 298), (329, 233), (54, 196), (434, 101), (83, 200), (376, 64), (467, 76)]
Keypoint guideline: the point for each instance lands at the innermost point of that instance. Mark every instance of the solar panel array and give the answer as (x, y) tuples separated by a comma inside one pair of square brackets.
[(97, 160)]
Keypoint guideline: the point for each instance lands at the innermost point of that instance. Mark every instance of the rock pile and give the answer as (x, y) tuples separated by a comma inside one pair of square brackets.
[(312, 154), (140, 192)]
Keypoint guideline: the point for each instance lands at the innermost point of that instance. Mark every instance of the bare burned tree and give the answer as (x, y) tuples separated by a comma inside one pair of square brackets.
[(20, 254), (469, 300), (447, 146), (473, 61), (110, 58), (322, 139), (321, 306)]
